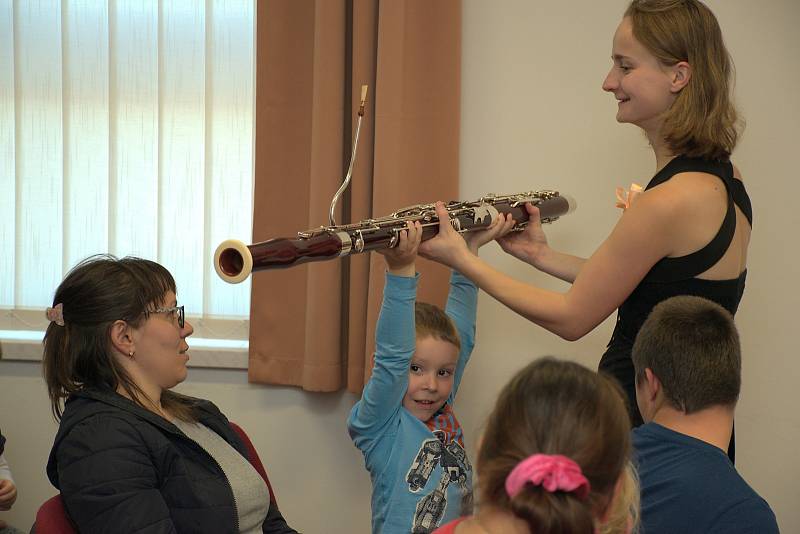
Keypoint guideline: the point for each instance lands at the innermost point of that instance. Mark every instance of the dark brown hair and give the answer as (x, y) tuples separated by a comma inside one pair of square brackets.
[(556, 407), (692, 346), (95, 293), (432, 321), (702, 122)]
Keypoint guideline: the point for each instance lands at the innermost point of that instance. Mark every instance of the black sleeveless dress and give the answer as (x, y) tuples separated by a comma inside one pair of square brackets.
[(677, 276)]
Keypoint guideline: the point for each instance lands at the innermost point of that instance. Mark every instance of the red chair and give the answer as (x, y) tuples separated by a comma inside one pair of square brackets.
[(254, 459), (52, 518)]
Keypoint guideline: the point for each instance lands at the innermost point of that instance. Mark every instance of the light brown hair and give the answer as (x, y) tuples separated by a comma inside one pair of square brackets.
[(556, 407), (431, 320), (96, 293), (702, 122)]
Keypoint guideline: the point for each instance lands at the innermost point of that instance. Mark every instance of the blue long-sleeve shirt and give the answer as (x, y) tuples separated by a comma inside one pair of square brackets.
[(418, 481)]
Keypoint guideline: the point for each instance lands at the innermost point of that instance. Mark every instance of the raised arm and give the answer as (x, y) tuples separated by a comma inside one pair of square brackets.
[(395, 343), (462, 305), (108, 480)]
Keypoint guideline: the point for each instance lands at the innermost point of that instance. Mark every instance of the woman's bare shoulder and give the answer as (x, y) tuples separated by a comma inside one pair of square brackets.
[(689, 190)]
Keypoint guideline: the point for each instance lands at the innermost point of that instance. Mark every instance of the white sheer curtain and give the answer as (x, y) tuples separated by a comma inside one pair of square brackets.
[(126, 126)]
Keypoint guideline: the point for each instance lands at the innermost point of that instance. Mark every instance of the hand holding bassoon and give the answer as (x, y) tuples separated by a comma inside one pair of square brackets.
[(529, 244), (448, 244), (401, 259)]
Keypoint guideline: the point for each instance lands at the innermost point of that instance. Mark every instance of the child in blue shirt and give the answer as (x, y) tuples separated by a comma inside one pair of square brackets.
[(404, 423)]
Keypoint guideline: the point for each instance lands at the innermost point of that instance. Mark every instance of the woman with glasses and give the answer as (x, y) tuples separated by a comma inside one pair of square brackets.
[(130, 454)]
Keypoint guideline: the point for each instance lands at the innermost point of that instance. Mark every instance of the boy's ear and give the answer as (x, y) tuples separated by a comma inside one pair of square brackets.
[(652, 383)]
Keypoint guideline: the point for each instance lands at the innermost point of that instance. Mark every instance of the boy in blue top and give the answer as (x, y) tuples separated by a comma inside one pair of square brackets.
[(688, 375), (404, 423)]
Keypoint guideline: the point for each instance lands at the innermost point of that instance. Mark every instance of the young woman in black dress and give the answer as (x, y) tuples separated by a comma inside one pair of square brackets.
[(687, 233)]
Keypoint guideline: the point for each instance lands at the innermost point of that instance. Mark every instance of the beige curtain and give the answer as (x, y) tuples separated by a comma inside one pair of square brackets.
[(313, 325)]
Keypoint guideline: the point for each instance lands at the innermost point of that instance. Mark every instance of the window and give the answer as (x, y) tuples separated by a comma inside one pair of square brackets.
[(126, 126)]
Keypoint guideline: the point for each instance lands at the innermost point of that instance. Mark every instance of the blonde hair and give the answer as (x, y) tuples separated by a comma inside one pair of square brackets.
[(431, 320), (702, 122), (623, 517)]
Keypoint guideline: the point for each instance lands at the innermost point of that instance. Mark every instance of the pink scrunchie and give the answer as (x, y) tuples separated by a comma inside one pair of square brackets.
[(552, 472)]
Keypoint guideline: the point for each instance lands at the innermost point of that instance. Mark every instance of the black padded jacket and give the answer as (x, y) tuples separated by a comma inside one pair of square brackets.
[(123, 469)]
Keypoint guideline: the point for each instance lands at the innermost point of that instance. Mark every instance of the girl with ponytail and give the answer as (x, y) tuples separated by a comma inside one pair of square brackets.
[(554, 456)]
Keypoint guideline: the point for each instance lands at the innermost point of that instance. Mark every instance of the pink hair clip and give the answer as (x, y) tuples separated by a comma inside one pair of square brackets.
[(625, 196), (56, 314), (552, 472)]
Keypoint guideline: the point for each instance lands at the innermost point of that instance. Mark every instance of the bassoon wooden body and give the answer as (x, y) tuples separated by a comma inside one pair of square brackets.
[(234, 260)]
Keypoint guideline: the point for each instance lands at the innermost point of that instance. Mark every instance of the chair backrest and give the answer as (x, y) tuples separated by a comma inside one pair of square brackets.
[(52, 518), (253, 457)]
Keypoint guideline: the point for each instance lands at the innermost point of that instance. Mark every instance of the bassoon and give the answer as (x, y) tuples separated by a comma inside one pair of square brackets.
[(234, 260)]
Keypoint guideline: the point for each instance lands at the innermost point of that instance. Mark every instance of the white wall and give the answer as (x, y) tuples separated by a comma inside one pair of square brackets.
[(534, 117)]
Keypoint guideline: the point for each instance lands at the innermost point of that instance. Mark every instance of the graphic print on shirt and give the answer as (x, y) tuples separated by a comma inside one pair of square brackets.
[(451, 459)]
